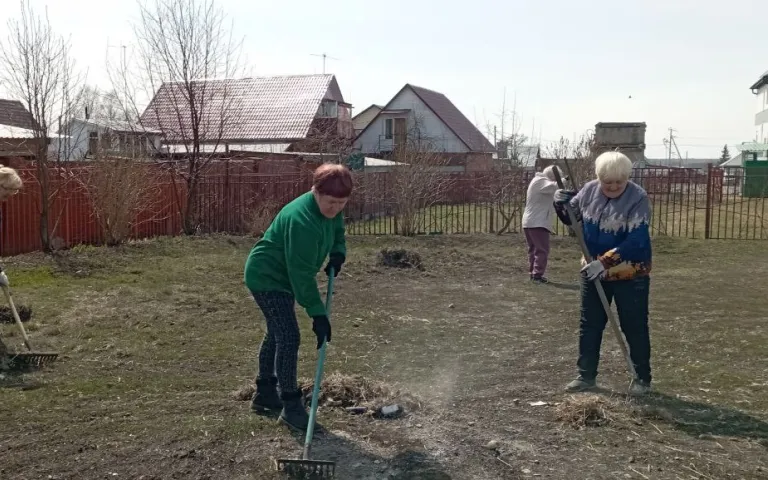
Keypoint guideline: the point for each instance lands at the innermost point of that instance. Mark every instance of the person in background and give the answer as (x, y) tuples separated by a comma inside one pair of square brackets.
[(538, 221), (615, 214), (281, 270), (10, 184)]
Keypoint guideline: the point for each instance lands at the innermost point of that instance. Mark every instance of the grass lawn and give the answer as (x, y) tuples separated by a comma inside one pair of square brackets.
[(156, 336)]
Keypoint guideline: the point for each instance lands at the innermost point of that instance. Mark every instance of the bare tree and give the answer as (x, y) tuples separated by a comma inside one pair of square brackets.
[(120, 188), (98, 104), (182, 45), (36, 67), (418, 180), (579, 155), (504, 188)]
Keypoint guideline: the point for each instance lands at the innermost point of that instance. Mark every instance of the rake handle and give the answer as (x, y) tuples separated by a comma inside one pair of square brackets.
[(8, 297), (318, 374), (577, 228)]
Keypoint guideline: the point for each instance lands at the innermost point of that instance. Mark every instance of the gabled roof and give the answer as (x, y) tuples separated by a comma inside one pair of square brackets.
[(13, 114), (255, 109), (378, 107), (451, 116), (762, 81)]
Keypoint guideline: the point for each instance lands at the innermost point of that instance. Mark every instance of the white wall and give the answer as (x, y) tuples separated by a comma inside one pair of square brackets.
[(761, 116), (363, 119), (76, 146), (71, 148), (373, 141)]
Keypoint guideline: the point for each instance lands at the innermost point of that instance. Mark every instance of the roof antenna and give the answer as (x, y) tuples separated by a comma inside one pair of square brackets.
[(324, 57)]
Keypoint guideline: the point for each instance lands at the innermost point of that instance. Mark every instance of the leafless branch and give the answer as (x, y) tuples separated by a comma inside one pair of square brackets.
[(184, 48), (36, 67)]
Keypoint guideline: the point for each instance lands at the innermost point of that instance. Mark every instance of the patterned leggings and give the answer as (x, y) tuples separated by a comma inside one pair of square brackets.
[(279, 352)]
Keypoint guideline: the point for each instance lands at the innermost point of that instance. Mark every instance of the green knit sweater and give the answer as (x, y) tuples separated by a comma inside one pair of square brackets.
[(292, 251)]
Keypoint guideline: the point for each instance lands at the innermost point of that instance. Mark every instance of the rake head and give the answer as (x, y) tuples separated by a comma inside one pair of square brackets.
[(307, 469), (27, 360)]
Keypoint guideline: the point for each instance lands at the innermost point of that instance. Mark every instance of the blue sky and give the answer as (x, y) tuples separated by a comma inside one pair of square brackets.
[(687, 64)]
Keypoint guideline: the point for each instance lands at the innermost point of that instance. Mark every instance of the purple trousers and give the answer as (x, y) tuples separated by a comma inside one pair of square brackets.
[(538, 250)]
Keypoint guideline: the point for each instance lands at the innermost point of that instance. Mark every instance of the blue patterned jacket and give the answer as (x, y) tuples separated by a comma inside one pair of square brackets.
[(616, 231)]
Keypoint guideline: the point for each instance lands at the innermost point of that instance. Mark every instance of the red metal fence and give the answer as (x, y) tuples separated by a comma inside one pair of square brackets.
[(720, 203)]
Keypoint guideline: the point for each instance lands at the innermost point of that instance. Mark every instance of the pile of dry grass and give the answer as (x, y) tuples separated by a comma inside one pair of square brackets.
[(400, 258), (580, 411), (245, 392), (6, 315), (343, 391), (339, 390)]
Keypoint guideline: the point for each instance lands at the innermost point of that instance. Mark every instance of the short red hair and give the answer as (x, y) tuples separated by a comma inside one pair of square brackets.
[(333, 179)]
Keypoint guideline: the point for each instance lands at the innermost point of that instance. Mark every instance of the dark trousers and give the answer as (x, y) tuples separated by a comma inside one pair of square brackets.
[(631, 297), (538, 250), (279, 353)]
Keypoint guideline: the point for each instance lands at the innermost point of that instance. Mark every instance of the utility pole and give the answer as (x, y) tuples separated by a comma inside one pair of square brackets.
[(669, 147)]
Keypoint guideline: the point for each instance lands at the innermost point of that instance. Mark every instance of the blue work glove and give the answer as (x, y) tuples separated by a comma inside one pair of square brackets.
[(563, 196), (322, 328), (593, 270), (335, 260)]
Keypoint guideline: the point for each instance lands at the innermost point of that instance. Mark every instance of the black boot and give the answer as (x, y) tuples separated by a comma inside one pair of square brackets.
[(266, 397), (294, 414)]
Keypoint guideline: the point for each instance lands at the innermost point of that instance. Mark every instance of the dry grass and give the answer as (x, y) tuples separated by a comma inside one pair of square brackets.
[(357, 391), (590, 410), (400, 258), (339, 390), (6, 315)]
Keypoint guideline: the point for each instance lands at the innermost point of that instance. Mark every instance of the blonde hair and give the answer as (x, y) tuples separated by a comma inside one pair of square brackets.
[(9, 179), (613, 166)]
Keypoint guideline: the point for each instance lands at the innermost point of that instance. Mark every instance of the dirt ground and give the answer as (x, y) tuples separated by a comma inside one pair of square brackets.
[(156, 336)]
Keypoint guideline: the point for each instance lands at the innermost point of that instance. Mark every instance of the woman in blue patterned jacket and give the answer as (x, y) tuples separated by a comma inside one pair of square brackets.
[(615, 214)]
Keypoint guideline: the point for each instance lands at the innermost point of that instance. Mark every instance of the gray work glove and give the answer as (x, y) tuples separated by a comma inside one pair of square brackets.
[(593, 270), (4, 279)]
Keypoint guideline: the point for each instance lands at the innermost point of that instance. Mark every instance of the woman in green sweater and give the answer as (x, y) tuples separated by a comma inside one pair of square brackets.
[(281, 270)]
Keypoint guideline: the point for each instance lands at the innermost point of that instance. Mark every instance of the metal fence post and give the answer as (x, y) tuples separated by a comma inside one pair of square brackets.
[(708, 209)]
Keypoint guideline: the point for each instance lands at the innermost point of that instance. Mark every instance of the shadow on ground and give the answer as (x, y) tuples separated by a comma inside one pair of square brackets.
[(354, 462), (696, 419)]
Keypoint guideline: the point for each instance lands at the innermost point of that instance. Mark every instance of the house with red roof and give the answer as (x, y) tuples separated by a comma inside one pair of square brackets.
[(417, 114)]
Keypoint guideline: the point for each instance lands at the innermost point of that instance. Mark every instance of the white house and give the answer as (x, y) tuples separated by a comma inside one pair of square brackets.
[(417, 113), (118, 138), (362, 119), (760, 89)]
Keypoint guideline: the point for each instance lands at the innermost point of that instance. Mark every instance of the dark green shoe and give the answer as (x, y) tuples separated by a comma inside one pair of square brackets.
[(266, 399), (294, 414)]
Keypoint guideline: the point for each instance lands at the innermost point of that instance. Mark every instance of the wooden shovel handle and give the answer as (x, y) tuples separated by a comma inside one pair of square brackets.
[(8, 297)]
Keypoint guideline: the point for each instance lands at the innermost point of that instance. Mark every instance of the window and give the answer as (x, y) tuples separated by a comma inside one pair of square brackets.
[(328, 109), (388, 128)]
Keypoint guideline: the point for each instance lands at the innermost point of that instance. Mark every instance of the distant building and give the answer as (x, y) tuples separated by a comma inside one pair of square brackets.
[(304, 113), (626, 137), (760, 89)]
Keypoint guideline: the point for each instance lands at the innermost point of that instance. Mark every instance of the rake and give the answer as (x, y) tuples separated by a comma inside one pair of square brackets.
[(305, 467), (30, 358)]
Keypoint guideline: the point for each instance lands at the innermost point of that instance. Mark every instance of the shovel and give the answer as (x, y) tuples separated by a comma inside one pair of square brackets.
[(576, 226), (305, 466)]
